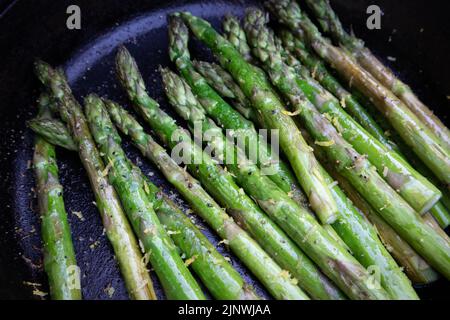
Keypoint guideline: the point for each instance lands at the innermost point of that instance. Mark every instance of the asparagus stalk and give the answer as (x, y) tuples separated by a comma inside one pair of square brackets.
[(412, 186), (216, 181), (236, 36), (118, 230), (211, 267), (359, 171), (271, 109), (225, 115), (295, 220), (177, 281), (59, 256), (53, 130), (423, 142), (362, 241), (276, 281), (440, 209), (320, 72), (417, 269), (216, 273), (330, 24)]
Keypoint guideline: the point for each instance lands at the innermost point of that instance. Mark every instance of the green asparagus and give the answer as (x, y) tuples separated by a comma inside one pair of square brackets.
[(295, 220), (219, 183), (225, 115), (272, 110), (423, 142), (358, 170), (276, 281), (118, 230), (417, 269), (412, 186), (177, 281), (216, 273), (59, 256), (330, 24)]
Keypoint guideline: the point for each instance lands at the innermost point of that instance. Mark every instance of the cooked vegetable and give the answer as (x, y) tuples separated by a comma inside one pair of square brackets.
[(256, 148), (330, 24), (245, 248), (295, 220), (356, 168), (59, 256), (271, 109), (118, 230), (422, 141), (177, 281)]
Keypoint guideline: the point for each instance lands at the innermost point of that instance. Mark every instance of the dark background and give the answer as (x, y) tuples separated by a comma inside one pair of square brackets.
[(416, 33)]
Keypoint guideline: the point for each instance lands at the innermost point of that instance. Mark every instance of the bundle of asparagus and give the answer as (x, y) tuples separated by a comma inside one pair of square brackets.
[(302, 234)]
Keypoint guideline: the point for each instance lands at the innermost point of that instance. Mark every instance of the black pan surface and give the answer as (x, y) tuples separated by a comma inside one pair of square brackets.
[(416, 33)]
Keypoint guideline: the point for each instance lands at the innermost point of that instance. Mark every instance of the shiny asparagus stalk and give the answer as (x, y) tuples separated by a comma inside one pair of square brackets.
[(272, 276), (295, 220), (423, 142), (59, 256), (219, 183), (417, 269), (177, 281), (413, 187), (215, 272), (225, 115), (272, 110), (331, 24), (352, 165), (118, 230)]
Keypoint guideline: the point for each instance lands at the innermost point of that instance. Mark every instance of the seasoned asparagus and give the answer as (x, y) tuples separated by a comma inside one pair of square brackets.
[(331, 24), (295, 220), (276, 281), (59, 256), (216, 273), (272, 110), (359, 171), (423, 142), (118, 230), (417, 269), (219, 183), (320, 72), (225, 115), (177, 281), (412, 186)]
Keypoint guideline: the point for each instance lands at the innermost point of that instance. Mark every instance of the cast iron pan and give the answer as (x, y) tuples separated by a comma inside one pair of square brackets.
[(415, 32)]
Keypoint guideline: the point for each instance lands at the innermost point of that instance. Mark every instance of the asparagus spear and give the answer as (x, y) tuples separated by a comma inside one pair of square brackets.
[(271, 109), (221, 279), (117, 228), (358, 170), (276, 281), (236, 36), (412, 186), (362, 241), (330, 24), (417, 269), (177, 281), (59, 256), (320, 72), (211, 267), (53, 130), (225, 115), (216, 273), (216, 181), (295, 220), (423, 142)]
